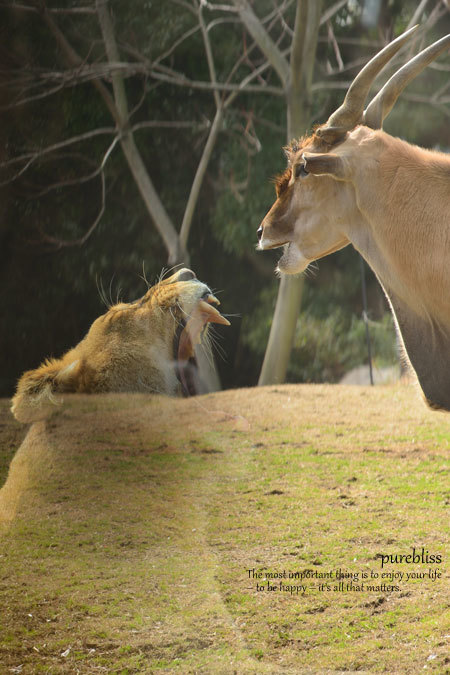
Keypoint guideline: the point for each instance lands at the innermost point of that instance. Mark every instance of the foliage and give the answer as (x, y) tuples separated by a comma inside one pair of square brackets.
[(327, 348), (50, 294), (329, 339)]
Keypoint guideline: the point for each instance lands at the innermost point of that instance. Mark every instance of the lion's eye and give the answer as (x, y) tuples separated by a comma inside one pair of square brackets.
[(300, 171)]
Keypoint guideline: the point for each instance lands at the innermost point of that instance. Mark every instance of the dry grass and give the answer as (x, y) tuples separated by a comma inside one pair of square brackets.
[(129, 524)]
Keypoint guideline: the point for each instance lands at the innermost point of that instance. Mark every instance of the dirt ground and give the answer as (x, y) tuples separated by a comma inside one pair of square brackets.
[(284, 529)]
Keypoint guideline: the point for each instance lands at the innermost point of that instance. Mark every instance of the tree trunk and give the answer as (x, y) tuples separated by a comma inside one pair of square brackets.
[(177, 254), (282, 332)]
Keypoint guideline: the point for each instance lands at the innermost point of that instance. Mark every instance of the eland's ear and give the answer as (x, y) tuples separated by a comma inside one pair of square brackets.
[(320, 164), (35, 396), (331, 135)]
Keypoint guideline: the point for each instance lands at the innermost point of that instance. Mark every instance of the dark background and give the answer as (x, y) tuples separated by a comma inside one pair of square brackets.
[(50, 294)]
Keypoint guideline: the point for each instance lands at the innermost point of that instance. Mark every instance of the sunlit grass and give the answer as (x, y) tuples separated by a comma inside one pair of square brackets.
[(132, 551)]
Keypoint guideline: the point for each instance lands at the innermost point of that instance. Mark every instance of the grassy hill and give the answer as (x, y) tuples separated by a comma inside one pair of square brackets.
[(239, 532)]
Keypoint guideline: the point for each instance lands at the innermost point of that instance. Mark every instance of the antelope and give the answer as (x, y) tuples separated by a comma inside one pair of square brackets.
[(352, 183)]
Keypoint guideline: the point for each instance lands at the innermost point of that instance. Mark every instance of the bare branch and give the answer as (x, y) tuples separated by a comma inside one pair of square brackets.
[(64, 243), (223, 20), (417, 14), (350, 66), (445, 111), (177, 43), (302, 65), (80, 179), (219, 8), (437, 94), (31, 157), (332, 11), (112, 52), (245, 86), (417, 98), (73, 10), (248, 137), (152, 201), (209, 55), (243, 58), (141, 100), (439, 66), (75, 60), (92, 73), (435, 15), (336, 49), (199, 175), (269, 124), (376, 44), (284, 25), (298, 52), (36, 97), (183, 81), (263, 40), (185, 5), (317, 86), (167, 124), (277, 12), (441, 104), (310, 45), (55, 10)]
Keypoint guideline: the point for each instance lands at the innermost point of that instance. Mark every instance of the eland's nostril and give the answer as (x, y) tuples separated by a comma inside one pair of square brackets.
[(259, 232)]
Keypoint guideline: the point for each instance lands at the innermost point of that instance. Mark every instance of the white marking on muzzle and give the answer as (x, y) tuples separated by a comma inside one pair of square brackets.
[(264, 244)]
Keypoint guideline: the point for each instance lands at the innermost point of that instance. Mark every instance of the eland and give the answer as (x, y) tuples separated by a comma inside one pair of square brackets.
[(352, 183)]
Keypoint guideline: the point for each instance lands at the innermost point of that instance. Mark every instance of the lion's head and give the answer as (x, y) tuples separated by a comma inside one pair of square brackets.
[(142, 346)]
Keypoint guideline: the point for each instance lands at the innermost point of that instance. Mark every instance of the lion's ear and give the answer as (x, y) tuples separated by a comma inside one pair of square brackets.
[(36, 389)]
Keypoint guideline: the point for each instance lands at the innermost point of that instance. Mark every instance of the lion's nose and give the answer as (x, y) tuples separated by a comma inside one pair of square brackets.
[(259, 232)]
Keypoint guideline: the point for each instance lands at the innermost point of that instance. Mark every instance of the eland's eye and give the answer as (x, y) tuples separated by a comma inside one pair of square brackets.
[(300, 171)]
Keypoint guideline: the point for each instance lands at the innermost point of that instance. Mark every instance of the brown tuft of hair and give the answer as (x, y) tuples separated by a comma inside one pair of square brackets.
[(314, 140), (295, 145), (281, 181)]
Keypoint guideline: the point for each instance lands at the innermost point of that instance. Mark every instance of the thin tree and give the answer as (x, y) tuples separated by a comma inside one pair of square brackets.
[(296, 78), (78, 70), (294, 68)]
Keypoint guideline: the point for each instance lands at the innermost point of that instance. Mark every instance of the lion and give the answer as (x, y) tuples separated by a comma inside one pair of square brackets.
[(142, 346)]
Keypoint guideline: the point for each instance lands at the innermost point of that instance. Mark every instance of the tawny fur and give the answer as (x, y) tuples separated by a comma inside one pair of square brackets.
[(130, 348)]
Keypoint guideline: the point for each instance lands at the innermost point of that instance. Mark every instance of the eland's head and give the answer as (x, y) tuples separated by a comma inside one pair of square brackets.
[(318, 207)]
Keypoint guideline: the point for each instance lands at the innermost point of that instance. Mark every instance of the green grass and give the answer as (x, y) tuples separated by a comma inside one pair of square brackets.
[(134, 532)]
